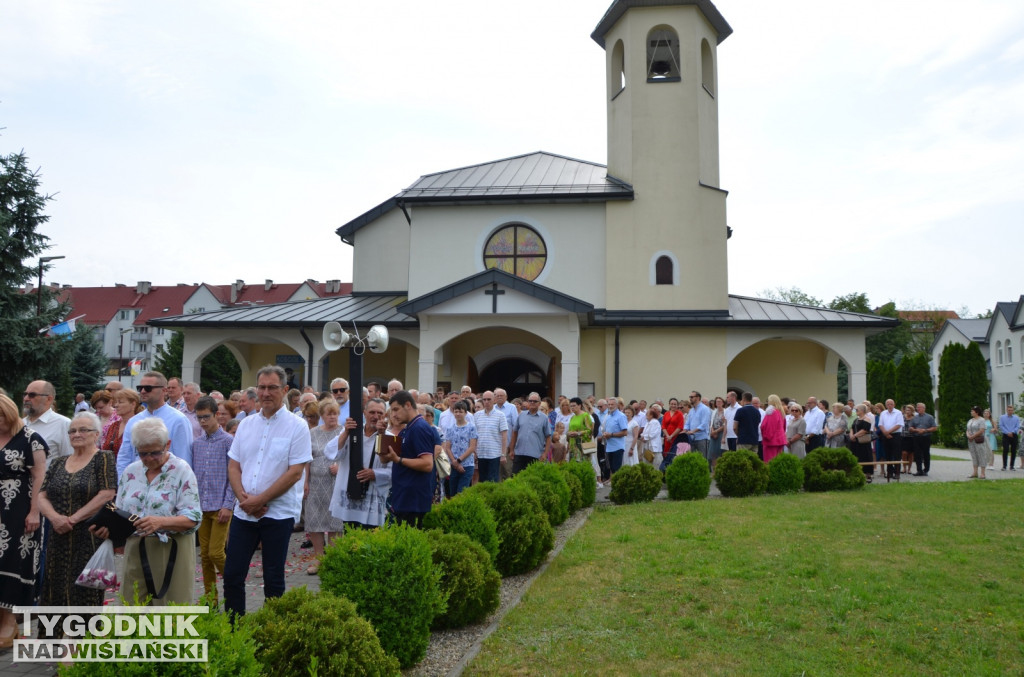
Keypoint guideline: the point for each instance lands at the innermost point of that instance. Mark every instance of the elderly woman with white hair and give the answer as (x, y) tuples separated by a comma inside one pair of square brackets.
[(160, 488)]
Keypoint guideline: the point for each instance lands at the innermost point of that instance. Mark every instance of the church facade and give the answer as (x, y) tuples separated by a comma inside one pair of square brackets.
[(548, 273)]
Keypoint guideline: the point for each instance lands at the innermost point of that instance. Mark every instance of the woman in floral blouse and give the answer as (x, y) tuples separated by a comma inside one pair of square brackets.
[(161, 489)]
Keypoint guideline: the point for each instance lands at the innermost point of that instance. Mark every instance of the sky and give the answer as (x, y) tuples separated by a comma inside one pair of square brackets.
[(873, 147)]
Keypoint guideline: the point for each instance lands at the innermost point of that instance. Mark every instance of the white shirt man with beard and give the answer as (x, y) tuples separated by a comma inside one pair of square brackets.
[(37, 406)]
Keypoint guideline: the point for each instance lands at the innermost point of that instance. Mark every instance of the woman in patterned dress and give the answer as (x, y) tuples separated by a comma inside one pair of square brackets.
[(977, 445), (320, 484), (76, 488), (22, 464)]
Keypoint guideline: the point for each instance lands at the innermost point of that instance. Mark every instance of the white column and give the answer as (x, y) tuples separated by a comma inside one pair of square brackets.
[(570, 381), (427, 378), (858, 385)]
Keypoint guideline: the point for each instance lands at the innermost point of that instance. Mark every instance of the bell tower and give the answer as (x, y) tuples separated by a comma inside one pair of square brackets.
[(667, 247)]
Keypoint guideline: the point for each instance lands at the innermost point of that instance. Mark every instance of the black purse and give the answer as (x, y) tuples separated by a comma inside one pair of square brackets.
[(120, 523)]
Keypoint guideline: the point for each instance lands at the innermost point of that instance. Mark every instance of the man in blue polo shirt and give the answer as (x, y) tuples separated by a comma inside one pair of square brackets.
[(411, 488), (614, 434), (531, 436)]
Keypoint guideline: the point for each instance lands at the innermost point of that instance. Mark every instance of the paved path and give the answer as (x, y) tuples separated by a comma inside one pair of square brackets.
[(298, 558)]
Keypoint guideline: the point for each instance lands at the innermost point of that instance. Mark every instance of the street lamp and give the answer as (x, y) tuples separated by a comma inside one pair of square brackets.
[(39, 290)]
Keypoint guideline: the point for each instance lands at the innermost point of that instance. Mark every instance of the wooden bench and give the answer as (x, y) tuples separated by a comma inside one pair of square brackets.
[(887, 477)]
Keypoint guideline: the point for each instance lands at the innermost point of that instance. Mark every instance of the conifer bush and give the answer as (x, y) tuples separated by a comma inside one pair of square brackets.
[(466, 514), (588, 480), (635, 484), (524, 534), (468, 579), (389, 574), (828, 469), (303, 627), (785, 474), (741, 473), (575, 488), (551, 488), (688, 477)]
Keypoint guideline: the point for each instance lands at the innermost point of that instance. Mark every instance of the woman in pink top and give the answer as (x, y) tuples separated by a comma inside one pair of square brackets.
[(773, 429)]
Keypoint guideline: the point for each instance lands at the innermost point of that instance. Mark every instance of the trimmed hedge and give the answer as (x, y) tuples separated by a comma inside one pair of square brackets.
[(525, 536), (575, 488), (318, 628), (741, 473), (688, 477), (389, 574), (551, 488), (466, 514), (785, 474), (635, 484), (588, 480), (468, 579), (828, 469)]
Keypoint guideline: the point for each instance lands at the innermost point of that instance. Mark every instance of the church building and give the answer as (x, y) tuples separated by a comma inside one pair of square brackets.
[(565, 276)]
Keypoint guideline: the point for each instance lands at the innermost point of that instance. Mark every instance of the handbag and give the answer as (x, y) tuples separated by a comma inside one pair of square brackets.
[(147, 573), (589, 447), (120, 523), (443, 465)]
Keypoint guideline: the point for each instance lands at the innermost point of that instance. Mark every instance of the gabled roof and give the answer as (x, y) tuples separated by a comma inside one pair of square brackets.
[(619, 8), (99, 305), (1006, 309), (534, 177), (972, 330), (249, 294), (745, 311), (1018, 316), (363, 309), (494, 276)]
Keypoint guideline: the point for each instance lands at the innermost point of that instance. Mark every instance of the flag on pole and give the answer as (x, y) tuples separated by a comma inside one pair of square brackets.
[(65, 328), (135, 366)]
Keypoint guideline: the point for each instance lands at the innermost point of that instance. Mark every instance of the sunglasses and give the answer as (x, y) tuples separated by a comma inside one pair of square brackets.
[(146, 389), (32, 394), (339, 390)]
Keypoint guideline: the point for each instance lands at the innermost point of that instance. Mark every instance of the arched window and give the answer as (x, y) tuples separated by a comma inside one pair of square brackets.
[(663, 55), (617, 72), (664, 269), (707, 68), (999, 353), (1009, 352), (516, 249)]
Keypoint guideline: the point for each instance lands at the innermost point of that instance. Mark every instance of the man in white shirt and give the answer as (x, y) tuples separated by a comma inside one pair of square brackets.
[(492, 439), (731, 407), (247, 404), (267, 457), (80, 403), (151, 392), (340, 390), (890, 427), (37, 406), (815, 420)]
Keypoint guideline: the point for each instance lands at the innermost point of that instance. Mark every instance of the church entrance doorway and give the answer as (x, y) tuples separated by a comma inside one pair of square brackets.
[(517, 376)]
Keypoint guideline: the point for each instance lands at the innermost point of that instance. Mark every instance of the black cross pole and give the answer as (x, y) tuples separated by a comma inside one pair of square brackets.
[(494, 293)]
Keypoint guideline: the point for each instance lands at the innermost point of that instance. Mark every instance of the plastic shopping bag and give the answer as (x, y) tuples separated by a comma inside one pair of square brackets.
[(100, 572)]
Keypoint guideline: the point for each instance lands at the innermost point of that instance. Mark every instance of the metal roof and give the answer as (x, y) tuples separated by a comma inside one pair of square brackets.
[(619, 8), (363, 309), (974, 330), (534, 177), (745, 311), (495, 276)]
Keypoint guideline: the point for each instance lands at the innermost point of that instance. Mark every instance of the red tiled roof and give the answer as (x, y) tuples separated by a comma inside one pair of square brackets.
[(99, 305), (928, 315)]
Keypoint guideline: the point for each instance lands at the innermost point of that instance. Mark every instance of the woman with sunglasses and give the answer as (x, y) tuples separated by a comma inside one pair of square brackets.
[(76, 488)]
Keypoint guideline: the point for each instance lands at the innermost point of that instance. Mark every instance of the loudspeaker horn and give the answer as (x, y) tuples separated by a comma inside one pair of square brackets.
[(377, 338), (334, 336)]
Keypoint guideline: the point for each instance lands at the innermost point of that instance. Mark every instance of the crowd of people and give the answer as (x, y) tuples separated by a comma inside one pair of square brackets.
[(243, 471)]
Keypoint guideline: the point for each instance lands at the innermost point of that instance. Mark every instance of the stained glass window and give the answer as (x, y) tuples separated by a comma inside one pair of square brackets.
[(516, 249)]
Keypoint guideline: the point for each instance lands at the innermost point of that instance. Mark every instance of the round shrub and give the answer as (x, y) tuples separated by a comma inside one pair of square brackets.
[(524, 534), (302, 626), (588, 480), (551, 488), (741, 473), (785, 474), (688, 477), (466, 514), (575, 488), (827, 469), (389, 574), (468, 579), (635, 484)]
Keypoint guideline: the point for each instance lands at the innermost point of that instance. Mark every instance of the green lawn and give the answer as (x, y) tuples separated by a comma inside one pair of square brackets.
[(938, 457), (894, 579)]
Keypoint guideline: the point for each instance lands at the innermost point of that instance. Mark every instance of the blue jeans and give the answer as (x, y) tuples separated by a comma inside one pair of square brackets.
[(490, 469), (614, 460), (243, 538), (461, 480)]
